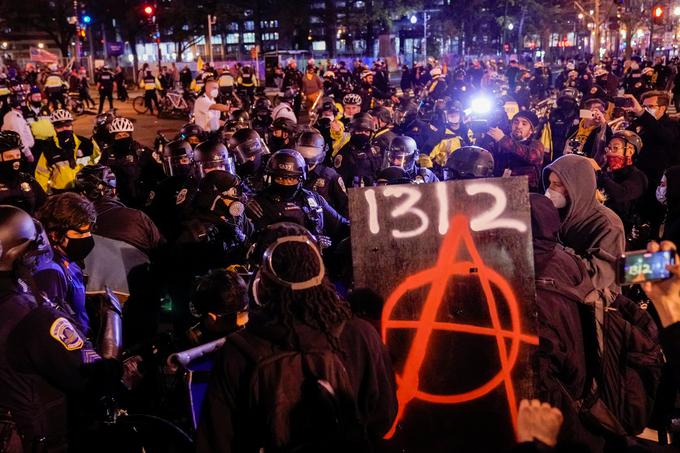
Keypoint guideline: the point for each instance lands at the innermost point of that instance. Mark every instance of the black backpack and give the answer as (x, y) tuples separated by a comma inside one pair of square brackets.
[(302, 400), (623, 357)]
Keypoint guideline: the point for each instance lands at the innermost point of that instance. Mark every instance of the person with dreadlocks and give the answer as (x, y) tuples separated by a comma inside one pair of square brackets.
[(303, 342)]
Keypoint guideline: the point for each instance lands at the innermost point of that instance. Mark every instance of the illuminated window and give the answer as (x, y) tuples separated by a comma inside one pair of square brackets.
[(319, 45), (248, 37), (249, 25), (232, 38)]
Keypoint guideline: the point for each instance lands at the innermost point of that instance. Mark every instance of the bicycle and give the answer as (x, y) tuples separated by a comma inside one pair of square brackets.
[(139, 105), (176, 103)]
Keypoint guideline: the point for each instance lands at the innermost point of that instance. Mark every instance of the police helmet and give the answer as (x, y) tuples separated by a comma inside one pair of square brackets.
[(22, 238), (284, 124), (262, 103), (212, 155), (241, 117), (192, 133), (469, 162), (246, 144), (177, 157), (392, 175), (382, 114), (286, 163), (312, 146), (362, 121), (96, 181), (10, 140), (401, 153), (327, 104)]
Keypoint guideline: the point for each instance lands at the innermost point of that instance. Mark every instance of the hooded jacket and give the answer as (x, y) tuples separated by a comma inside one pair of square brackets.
[(561, 354), (672, 226), (594, 231)]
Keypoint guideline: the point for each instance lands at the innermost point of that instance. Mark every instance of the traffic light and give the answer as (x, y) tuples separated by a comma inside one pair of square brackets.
[(658, 13), (148, 10)]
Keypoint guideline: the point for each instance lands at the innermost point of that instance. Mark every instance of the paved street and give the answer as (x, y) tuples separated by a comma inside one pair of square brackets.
[(146, 125)]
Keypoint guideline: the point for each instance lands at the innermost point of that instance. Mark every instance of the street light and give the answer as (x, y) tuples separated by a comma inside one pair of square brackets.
[(676, 11), (580, 16), (41, 45), (414, 19), (511, 26), (4, 44)]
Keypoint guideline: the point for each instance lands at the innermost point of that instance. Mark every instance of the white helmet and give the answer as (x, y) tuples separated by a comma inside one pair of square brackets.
[(60, 116), (352, 98), (121, 125)]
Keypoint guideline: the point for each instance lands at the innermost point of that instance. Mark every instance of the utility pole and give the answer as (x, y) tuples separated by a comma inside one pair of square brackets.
[(596, 44), (212, 20), (425, 37), (77, 40), (158, 35)]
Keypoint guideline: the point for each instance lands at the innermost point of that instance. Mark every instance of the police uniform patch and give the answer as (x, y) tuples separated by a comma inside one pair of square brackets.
[(319, 183), (63, 331), (337, 162), (26, 187), (181, 196), (593, 90), (341, 184)]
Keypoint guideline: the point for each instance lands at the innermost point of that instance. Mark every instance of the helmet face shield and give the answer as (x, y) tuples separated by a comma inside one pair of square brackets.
[(246, 150), (401, 159), (172, 165)]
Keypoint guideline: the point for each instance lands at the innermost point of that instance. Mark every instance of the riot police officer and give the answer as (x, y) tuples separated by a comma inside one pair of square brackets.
[(359, 161), (384, 133), (168, 201), (390, 176), (192, 134), (403, 153), (212, 155), (45, 361), (283, 134), (215, 233), (250, 155), (100, 131), (138, 169), (469, 162), (285, 200), (322, 179), (17, 188)]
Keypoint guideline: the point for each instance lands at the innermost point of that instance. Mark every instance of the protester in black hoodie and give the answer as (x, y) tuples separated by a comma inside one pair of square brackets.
[(561, 355), (594, 231), (300, 312)]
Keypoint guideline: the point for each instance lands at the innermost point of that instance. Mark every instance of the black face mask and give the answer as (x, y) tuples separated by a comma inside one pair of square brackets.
[(249, 167), (36, 103), (360, 140), (10, 168), (66, 140), (285, 192), (121, 147), (78, 249), (277, 143)]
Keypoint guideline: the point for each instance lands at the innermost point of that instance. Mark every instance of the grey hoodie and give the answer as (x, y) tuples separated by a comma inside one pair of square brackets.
[(594, 231)]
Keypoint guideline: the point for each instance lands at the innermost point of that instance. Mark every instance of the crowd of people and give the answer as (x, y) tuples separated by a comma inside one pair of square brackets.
[(228, 244)]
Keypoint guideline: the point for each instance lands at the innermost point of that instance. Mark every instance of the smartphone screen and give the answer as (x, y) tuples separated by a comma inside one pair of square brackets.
[(585, 114), (642, 266), (620, 101)]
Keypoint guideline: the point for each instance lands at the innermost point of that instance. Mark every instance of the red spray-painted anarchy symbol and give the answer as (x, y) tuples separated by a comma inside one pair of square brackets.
[(437, 278)]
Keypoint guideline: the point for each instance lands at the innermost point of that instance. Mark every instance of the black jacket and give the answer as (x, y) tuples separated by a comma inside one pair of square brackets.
[(561, 353), (223, 425), (623, 188), (660, 139)]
